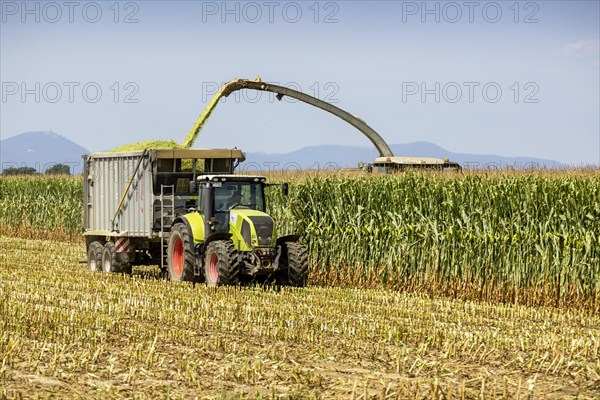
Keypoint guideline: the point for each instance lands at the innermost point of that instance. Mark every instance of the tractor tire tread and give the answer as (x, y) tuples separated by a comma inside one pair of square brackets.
[(228, 266), (189, 256), (294, 271)]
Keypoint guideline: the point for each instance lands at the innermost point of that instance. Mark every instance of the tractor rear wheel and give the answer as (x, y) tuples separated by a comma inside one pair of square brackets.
[(180, 254), (293, 265), (94, 257), (222, 264)]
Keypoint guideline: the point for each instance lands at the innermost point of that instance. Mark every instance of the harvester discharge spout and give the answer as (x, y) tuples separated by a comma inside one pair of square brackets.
[(239, 84)]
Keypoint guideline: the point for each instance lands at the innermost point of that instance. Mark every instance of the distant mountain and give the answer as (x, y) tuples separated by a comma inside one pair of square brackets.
[(426, 149), (40, 150), (348, 156)]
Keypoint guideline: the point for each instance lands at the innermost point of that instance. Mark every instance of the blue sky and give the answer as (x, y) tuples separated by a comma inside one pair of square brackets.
[(509, 78)]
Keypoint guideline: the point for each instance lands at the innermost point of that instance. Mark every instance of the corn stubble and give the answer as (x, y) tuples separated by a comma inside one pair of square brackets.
[(66, 331)]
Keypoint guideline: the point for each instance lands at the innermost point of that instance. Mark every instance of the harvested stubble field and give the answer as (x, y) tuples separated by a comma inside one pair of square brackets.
[(476, 285), (74, 334)]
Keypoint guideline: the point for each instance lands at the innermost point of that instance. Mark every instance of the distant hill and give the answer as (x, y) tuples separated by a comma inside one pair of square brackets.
[(43, 149), (40, 150), (348, 156)]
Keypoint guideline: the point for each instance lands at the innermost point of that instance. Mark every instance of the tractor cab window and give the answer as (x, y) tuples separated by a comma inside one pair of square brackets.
[(232, 195), (239, 195)]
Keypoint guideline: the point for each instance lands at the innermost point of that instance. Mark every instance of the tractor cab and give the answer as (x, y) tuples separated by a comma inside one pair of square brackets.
[(223, 197)]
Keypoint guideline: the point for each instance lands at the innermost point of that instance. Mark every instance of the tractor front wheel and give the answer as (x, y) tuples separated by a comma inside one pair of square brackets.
[(222, 264), (293, 265), (180, 254)]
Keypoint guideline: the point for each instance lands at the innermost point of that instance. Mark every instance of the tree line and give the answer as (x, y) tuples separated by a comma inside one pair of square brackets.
[(56, 169)]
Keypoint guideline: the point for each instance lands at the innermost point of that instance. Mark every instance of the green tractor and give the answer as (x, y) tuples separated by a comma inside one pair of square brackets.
[(229, 238)]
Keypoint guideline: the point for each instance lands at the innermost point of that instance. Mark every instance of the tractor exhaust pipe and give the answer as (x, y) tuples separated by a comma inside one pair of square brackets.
[(209, 205)]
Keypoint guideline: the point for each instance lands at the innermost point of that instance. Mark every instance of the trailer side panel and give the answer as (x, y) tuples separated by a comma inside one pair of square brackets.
[(107, 179)]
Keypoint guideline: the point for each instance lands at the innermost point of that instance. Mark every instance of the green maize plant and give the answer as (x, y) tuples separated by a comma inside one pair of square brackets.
[(41, 206), (507, 237)]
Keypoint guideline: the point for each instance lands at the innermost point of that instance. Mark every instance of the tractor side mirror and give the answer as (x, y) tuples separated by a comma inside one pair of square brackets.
[(192, 187), (284, 189)]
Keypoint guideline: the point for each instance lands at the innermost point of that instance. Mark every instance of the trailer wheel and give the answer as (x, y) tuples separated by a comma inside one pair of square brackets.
[(109, 258), (94, 257), (294, 265), (180, 254), (222, 264)]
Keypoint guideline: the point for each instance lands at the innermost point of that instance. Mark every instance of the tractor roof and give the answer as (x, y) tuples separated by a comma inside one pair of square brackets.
[(231, 178)]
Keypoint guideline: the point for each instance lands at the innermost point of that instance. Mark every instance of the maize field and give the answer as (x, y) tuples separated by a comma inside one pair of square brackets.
[(41, 205), (528, 239), (477, 285), (513, 237)]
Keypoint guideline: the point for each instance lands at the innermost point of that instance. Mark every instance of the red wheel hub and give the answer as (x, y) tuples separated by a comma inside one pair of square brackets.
[(213, 274), (178, 257)]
